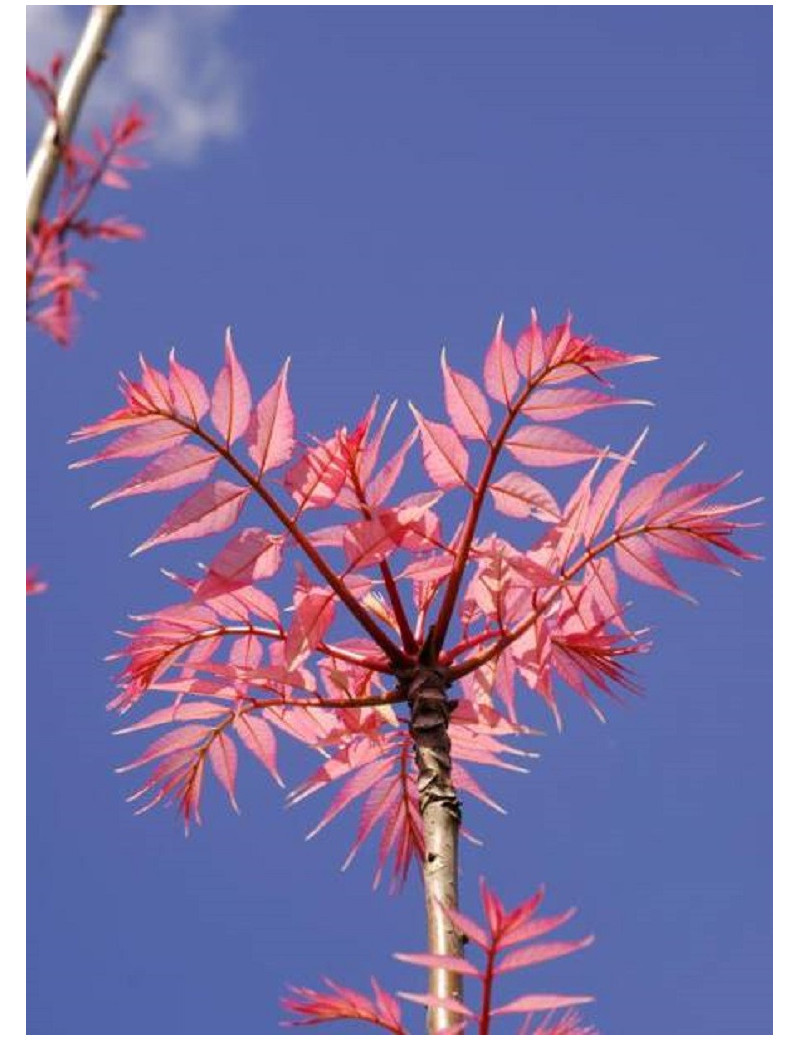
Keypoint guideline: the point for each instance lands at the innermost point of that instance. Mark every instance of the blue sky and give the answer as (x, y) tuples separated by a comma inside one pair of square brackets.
[(381, 182)]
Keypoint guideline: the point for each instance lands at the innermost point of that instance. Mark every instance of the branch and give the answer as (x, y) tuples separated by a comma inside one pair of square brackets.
[(58, 129), (346, 597), (460, 670), (478, 498)]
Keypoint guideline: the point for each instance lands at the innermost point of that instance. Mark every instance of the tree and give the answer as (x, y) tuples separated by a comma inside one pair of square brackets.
[(430, 606), (490, 579)]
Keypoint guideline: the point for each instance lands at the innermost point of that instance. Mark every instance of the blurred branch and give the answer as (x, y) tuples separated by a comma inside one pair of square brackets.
[(85, 62)]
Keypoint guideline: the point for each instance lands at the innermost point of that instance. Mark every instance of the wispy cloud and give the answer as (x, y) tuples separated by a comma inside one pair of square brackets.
[(172, 60)]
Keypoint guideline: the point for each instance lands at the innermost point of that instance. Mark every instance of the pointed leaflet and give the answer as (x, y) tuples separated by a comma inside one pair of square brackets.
[(549, 446), (529, 351), (250, 555), (314, 611), (318, 476), (386, 477), (467, 407), (149, 439), (212, 509), (189, 395), (258, 738), (607, 492), (270, 433), (540, 1002), (553, 405), (222, 752), (444, 456), (174, 468), (231, 400), (517, 494), (642, 496), (340, 1003), (500, 373), (638, 559)]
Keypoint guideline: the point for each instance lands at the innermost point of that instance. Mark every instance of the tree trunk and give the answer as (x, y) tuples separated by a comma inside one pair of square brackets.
[(57, 131), (441, 818)]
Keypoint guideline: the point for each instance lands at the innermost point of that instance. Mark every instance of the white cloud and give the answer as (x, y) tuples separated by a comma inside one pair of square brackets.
[(172, 60)]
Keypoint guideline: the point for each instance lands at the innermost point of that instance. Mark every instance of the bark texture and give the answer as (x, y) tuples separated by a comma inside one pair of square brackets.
[(57, 131), (441, 819)]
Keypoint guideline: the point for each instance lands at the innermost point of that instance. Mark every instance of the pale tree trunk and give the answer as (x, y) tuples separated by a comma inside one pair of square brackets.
[(44, 162), (441, 819)]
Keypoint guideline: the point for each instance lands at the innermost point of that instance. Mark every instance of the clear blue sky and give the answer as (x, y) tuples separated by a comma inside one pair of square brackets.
[(402, 176)]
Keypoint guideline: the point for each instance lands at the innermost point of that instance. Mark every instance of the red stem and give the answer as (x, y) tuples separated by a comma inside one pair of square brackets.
[(395, 654)]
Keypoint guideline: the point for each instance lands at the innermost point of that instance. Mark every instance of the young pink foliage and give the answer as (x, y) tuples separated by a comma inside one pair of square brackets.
[(33, 583), (52, 275), (544, 615), (503, 929)]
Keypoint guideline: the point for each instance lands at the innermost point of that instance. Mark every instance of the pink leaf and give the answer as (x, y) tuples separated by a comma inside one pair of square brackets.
[(517, 494), (187, 712), (181, 739), (149, 438), (231, 400), (313, 617), (174, 468), (444, 456), (270, 433), (212, 509), (643, 496), (249, 556), (540, 1002), (189, 395), (112, 179), (430, 1000), (538, 953), (549, 446), (553, 405), (439, 960), (222, 752), (529, 352), (258, 738), (317, 478), (638, 559), (467, 407), (500, 373), (384, 480)]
